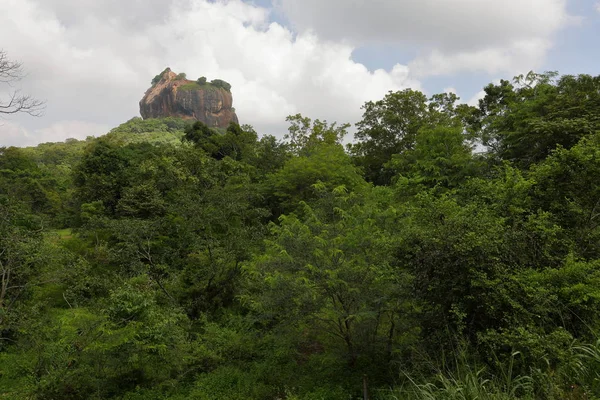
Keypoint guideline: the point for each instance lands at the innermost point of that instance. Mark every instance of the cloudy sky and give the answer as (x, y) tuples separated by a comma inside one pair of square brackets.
[(92, 60)]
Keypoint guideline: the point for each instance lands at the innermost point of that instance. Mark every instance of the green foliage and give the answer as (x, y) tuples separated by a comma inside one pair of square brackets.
[(525, 120), (325, 165), (168, 260), (304, 134), (566, 296), (202, 83), (328, 275), (440, 158), (235, 143), (567, 187), (139, 126), (19, 258), (191, 86), (134, 343), (465, 381), (158, 77), (22, 179), (391, 125), (230, 383), (221, 84)]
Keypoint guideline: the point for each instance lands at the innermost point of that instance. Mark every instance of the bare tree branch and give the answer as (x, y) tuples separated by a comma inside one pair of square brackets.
[(12, 71), (9, 70)]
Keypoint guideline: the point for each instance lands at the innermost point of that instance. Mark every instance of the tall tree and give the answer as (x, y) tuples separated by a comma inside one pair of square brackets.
[(525, 120), (567, 186), (391, 125), (441, 157), (304, 133), (327, 273)]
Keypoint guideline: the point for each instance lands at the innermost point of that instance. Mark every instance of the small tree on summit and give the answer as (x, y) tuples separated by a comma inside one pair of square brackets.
[(158, 77), (221, 84)]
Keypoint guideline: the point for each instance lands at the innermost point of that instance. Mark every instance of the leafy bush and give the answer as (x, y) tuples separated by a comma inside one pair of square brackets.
[(221, 84), (230, 382), (158, 77), (464, 379), (192, 262)]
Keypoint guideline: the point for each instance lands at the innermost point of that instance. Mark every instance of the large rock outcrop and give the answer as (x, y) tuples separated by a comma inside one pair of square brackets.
[(172, 95)]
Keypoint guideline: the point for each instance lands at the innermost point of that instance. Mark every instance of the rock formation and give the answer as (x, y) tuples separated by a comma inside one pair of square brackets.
[(172, 95)]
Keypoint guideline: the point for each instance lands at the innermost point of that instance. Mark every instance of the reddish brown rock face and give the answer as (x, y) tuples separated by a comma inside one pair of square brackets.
[(172, 97)]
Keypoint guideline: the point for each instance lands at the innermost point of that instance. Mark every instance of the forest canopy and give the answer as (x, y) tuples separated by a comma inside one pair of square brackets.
[(449, 252)]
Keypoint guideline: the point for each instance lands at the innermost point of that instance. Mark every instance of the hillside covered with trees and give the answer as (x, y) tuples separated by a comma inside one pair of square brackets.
[(449, 252)]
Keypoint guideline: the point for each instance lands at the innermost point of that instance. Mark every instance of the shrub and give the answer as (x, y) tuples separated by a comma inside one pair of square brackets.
[(221, 84), (158, 77), (181, 76), (201, 80)]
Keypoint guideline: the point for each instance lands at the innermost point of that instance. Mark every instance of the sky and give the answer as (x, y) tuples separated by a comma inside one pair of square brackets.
[(92, 60)]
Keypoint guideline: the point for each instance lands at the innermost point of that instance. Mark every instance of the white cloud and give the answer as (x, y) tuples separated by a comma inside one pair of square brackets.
[(597, 6), (456, 24), (474, 101), (14, 134), (519, 57), (450, 90), (62, 130), (92, 61), (451, 35)]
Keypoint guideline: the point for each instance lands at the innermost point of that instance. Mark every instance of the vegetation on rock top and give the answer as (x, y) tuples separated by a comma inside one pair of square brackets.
[(200, 82)]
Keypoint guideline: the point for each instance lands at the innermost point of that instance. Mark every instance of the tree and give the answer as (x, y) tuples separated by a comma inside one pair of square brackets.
[(23, 180), (441, 157), (199, 134), (158, 77), (524, 121), (391, 125), (221, 84), (19, 250), (327, 272), (10, 72), (567, 187), (327, 165), (304, 134)]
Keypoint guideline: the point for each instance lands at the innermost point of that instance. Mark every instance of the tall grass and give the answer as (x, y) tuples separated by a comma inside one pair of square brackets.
[(589, 368), (577, 378), (465, 381)]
